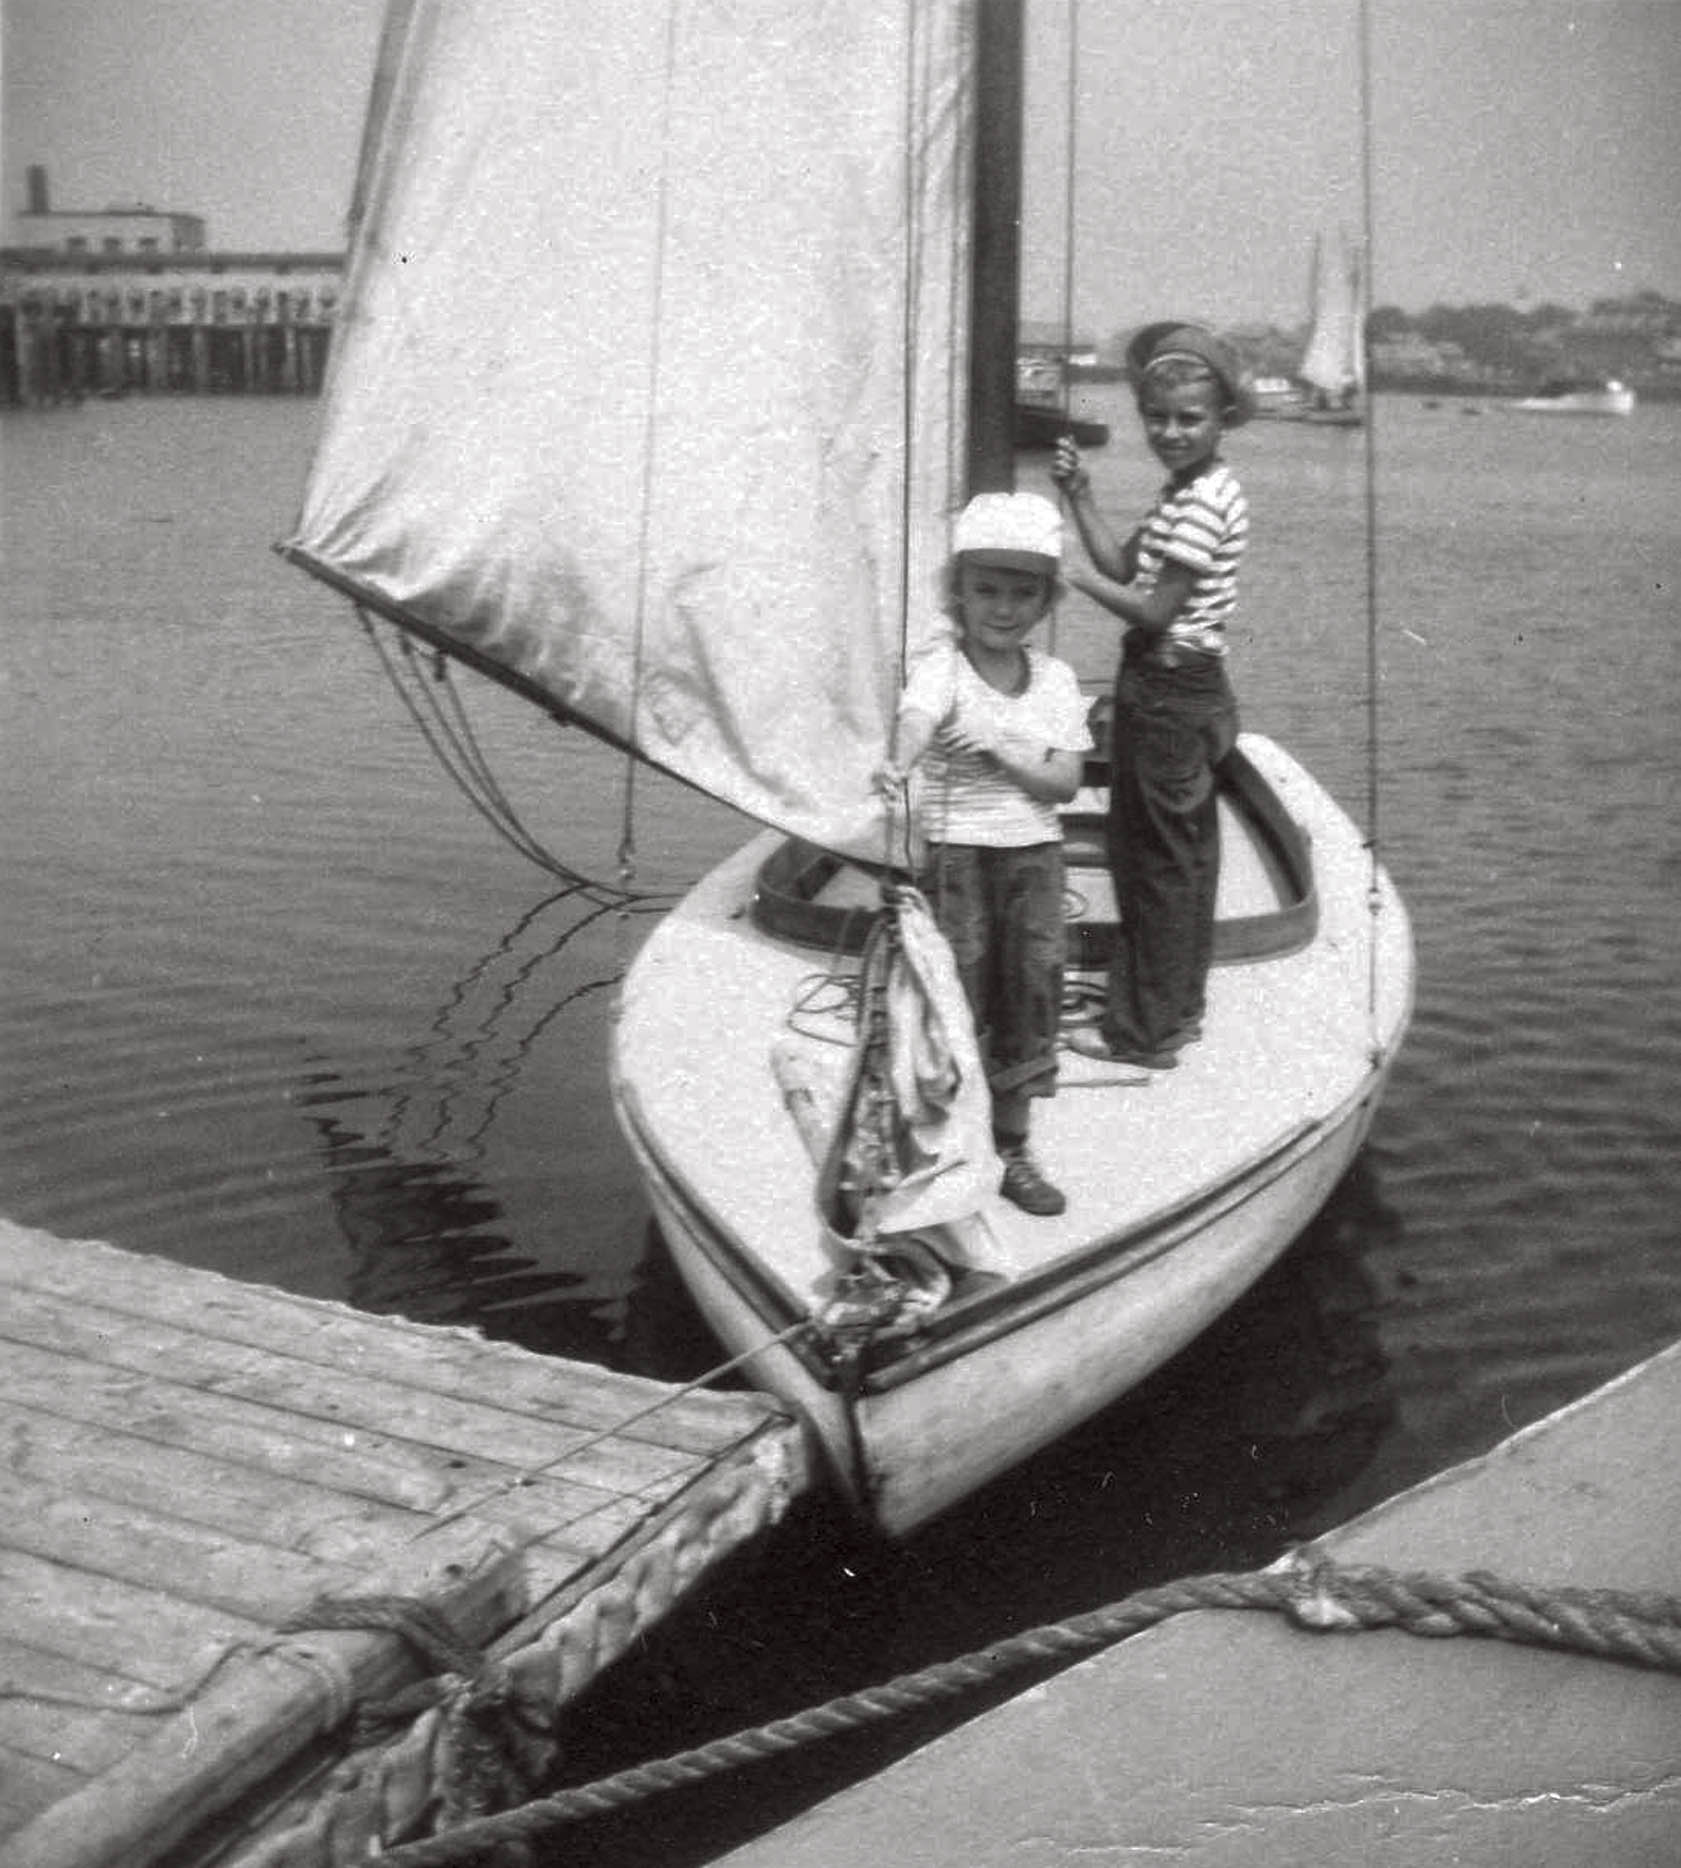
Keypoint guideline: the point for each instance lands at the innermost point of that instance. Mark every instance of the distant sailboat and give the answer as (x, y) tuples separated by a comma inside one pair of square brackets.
[(1042, 415), (1570, 396), (1329, 386)]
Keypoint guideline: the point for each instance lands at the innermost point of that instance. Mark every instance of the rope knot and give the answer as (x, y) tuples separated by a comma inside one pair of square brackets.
[(427, 1633)]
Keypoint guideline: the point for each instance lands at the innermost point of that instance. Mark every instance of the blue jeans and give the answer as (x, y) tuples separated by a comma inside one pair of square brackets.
[(1172, 728), (1002, 912)]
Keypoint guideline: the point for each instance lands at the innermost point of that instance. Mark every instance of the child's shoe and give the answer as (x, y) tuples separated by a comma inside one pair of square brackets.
[(1090, 1043), (1023, 1185)]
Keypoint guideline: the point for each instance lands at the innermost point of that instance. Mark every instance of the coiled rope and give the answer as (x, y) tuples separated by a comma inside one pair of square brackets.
[(1324, 1597)]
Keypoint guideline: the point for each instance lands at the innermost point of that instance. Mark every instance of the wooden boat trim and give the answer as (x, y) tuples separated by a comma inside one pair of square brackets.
[(956, 1332), (791, 878)]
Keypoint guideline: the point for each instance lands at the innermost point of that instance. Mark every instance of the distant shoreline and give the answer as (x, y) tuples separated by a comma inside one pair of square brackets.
[(1411, 385)]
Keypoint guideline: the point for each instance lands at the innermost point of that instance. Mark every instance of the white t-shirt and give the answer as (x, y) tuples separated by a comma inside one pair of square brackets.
[(968, 799)]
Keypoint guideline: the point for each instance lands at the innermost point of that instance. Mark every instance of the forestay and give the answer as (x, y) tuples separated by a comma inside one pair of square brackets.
[(648, 383)]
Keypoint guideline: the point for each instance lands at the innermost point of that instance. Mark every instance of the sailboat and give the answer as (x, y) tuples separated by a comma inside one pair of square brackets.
[(673, 340), (1329, 383), (1603, 395), (1042, 413)]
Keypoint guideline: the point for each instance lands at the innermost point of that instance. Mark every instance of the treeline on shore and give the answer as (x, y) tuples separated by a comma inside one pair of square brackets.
[(1484, 348)]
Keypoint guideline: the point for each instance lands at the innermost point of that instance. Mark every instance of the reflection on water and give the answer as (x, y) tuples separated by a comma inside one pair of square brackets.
[(424, 1233), (422, 1238)]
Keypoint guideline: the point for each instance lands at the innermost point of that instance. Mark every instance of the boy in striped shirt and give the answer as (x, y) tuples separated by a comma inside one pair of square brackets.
[(1173, 583)]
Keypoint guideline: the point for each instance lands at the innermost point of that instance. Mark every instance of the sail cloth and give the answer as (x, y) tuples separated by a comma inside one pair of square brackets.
[(912, 1150), (647, 383), (1334, 361)]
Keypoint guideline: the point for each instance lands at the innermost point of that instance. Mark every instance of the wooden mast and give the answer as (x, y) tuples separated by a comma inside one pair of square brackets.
[(994, 283)]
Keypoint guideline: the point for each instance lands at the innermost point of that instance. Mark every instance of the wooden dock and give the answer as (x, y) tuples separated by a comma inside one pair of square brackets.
[(194, 1466)]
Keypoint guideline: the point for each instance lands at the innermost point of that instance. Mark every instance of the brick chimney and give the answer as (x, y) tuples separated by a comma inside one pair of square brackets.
[(37, 184)]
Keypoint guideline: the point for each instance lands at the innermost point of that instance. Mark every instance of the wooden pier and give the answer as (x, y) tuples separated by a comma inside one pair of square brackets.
[(200, 1473), (79, 325)]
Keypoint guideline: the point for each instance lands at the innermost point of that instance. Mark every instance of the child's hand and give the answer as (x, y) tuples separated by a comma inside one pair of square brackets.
[(1066, 469), (889, 780), (965, 742)]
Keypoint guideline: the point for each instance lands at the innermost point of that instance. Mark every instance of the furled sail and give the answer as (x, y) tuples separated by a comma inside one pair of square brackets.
[(1334, 362), (647, 389)]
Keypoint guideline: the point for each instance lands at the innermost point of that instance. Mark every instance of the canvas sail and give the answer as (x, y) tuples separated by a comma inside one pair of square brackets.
[(1334, 361), (648, 383)]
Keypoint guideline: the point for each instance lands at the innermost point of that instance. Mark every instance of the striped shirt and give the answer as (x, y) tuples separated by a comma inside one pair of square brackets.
[(971, 799), (1203, 525)]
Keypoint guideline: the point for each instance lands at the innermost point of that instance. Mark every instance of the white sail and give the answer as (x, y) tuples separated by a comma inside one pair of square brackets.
[(621, 398), (1334, 362)]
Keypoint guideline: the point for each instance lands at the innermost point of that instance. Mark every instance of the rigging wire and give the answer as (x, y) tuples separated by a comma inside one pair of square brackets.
[(435, 706), (1070, 158), (791, 1333), (1070, 167), (897, 816), (1373, 708), (656, 318)]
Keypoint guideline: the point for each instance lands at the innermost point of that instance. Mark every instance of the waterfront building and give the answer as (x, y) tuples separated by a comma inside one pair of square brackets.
[(121, 299)]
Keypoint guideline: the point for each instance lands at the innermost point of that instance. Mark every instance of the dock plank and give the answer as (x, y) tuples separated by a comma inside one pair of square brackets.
[(402, 1353), (331, 1403), (138, 1633), (243, 1718), (32, 1674), (190, 1462), (123, 1543), (218, 1493), (327, 1454), (45, 1708), (155, 1411), (28, 1784)]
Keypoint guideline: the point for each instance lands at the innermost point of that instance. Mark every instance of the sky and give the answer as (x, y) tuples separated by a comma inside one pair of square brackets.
[(1521, 151)]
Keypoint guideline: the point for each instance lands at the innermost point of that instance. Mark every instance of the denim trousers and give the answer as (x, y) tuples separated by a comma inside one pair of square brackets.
[(1001, 909), (1172, 728)]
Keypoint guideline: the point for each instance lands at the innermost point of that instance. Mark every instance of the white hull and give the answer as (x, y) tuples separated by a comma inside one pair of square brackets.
[(1183, 1187), (1614, 400), (908, 1453)]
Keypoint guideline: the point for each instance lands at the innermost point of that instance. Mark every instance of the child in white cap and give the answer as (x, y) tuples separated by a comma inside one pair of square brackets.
[(999, 730)]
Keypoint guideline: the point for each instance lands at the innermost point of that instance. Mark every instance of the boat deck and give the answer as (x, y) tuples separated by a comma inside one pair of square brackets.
[(1289, 1042), (191, 1462)]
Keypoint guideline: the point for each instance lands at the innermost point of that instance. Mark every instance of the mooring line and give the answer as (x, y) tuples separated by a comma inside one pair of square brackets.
[(532, 1473), (1320, 1597)]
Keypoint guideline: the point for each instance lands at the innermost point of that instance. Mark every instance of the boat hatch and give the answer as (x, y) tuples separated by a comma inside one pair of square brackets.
[(816, 899)]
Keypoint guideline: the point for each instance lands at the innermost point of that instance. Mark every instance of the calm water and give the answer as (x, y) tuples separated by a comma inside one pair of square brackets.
[(276, 1001)]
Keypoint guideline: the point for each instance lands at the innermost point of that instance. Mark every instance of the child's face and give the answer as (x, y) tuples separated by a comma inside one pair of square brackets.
[(1181, 424), (997, 607)]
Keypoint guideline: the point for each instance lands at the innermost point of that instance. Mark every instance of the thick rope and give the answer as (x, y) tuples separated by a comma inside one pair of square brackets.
[(1644, 1629), (499, 1728), (426, 1631)]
